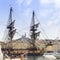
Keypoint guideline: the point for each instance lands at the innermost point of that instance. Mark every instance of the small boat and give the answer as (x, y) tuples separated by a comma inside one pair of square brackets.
[(49, 55), (57, 55)]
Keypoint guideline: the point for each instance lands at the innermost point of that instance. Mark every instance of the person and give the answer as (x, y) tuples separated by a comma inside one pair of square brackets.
[(1, 54), (22, 56)]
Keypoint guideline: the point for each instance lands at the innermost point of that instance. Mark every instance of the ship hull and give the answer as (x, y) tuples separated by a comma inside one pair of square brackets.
[(35, 54)]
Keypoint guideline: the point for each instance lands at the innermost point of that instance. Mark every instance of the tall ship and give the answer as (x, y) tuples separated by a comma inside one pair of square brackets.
[(13, 51), (25, 45)]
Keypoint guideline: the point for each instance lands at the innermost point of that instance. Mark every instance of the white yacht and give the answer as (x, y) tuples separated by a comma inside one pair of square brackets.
[(49, 55)]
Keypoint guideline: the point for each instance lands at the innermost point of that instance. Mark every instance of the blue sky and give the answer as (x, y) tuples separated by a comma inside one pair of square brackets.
[(47, 12)]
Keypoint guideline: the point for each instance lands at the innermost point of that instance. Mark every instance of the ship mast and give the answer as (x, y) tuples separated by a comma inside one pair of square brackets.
[(33, 30), (11, 28), (11, 31)]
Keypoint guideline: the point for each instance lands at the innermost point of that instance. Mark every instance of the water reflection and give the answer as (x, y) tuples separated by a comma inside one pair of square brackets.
[(32, 57), (38, 58)]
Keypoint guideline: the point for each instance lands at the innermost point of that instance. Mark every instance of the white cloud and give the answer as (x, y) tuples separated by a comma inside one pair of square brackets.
[(51, 29), (28, 2), (45, 12), (54, 19), (45, 1), (55, 2), (52, 32), (51, 16), (27, 12), (52, 22), (19, 1)]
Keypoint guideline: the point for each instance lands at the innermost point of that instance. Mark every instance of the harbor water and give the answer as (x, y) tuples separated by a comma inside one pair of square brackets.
[(38, 58)]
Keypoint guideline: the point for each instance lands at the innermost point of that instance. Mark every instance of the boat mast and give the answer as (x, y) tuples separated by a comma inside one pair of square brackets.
[(33, 30), (10, 27), (11, 31)]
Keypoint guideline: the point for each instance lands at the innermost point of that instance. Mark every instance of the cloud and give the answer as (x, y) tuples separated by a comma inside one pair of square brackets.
[(54, 19), (47, 2), (50, 17), (28, 2), (52, 22), (19, 1), (45, 12), (57, 3), (26, 12), (51, 28), (48, 14)]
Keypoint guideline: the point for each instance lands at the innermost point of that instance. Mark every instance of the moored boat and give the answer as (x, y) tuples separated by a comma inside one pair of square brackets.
[(57, 55), (49, 56)]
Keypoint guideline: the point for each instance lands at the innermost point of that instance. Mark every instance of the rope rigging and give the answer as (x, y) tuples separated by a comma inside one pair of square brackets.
[(41, 27)]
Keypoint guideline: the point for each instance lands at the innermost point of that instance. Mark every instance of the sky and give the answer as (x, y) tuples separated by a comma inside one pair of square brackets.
[(46, 11)]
